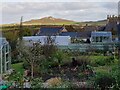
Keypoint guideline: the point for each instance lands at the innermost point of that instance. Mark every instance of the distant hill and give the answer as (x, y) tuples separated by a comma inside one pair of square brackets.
[(49, 21), (57, 21), (100, 22)]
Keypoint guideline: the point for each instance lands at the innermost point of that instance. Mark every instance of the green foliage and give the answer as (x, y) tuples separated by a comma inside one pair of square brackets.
[(44, 67), (104, 80), (83, 61), (49, 48), (12, 39), (60, 56), (27, 31), (18, 67), (81, 75), (116, 74), (26, 65), (36, 83), (101, 60), (65, 84)]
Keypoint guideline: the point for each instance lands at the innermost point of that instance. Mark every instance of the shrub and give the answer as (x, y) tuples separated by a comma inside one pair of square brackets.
[(83, 61), (81, 75), (104, 80), (101, 60), (116, 74), (36, 83), (109, 60)]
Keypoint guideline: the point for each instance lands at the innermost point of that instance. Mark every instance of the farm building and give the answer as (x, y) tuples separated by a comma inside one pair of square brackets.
[(102, 37), (5, 56)]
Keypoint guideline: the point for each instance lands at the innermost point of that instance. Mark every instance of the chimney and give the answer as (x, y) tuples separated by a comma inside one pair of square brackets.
[(107, 16)]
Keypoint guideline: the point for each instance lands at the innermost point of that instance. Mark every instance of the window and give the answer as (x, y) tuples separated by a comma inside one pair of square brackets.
[(100, 39), (97, 39), (93, 39)]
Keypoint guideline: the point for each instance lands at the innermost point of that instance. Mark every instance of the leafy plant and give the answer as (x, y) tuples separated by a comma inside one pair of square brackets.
[(101, 60), (36, 83), (104, 80)]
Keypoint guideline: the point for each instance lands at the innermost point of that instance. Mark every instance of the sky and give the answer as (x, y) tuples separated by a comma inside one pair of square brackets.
[(77, 10)]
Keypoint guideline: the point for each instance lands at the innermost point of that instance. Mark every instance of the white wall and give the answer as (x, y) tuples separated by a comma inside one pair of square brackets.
[(59, 40)]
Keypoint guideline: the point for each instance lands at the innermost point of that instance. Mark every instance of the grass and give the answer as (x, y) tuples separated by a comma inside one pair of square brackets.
[(105, 68), (18, 74), (99, 68), (18, 67)]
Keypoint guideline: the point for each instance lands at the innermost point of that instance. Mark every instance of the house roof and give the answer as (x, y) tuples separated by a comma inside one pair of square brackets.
[(101, 33), (84, 34), (111, 26), (49, 31), (71, 34), (101, 28)]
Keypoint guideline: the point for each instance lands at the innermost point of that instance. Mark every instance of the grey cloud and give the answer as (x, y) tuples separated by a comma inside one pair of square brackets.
[(78, 11)]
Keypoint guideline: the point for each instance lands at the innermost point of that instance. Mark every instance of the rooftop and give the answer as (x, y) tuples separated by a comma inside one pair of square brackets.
[(49, 31), (71, 34), (101, 33)]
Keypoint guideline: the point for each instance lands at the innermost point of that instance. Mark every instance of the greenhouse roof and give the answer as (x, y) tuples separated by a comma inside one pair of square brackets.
[(2, 41), (101, 33)]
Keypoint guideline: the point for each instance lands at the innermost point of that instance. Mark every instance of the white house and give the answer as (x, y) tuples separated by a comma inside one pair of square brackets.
[(58, 40), (5, 56)]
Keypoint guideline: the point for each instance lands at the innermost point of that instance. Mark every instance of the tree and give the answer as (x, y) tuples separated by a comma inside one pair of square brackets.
[(20, 29), (32, 54), (49, 47)]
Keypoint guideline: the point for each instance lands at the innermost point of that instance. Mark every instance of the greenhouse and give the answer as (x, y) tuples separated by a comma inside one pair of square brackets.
[(5, 56), (103, 37)]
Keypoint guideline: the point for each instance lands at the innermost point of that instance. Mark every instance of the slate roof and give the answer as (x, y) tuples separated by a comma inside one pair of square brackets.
[(101, 33), (84, 34), (111, 26), (101, 28), (71, 34), (49, 31)]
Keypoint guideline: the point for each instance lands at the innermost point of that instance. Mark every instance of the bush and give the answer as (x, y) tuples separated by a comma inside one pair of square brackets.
[(83, 61), (109, 60), (36, 83), (116, 74), (104, 80), (101, 60), (81, 75)]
